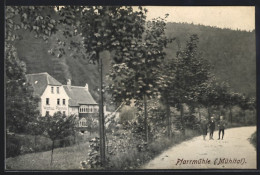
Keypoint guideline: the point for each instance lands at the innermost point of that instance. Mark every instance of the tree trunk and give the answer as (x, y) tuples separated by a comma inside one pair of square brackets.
[(101, 114), (182, 121), (168, 118), (244, 115), (52, 148), (145, 119), (230, 114), (35, 143), (199, 114), (209, 113)]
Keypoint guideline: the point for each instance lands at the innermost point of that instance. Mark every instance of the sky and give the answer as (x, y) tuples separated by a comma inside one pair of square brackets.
[(232, 17)]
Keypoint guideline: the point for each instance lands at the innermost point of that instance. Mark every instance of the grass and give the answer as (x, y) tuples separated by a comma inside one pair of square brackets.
[(63, 159), (69, 158)]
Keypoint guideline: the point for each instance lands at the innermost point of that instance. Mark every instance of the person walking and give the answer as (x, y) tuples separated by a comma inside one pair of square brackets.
[(211, 128), (204, 128), (221, 127)]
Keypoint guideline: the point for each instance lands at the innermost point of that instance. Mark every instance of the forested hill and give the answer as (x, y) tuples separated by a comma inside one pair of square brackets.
[(232, 54)]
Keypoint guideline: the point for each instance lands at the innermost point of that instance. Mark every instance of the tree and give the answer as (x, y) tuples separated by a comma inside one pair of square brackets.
[(36, 127), (58, 126), (135, 72), (92, 124), (103, 29), (184, 77), (246, 103), (21, 105)]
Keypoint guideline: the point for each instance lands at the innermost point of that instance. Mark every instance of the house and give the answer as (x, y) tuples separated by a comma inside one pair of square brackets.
[(67, 99), (81, 103), (53, 97)]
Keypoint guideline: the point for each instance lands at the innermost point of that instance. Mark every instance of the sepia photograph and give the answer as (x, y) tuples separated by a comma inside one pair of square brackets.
[(130, 88)]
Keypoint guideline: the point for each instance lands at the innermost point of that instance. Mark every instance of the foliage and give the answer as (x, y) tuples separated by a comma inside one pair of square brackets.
[(134, 73), (231, 62), (21, 105), (13, 146), (94, 156), (58, 126), (37, 19), (182, 79), (228, 61), (92, 124), (192, 71), (253, 139)]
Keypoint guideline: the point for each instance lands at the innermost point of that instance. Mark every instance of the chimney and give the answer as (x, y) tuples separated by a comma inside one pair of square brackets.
[(69, 83), (86, 86)]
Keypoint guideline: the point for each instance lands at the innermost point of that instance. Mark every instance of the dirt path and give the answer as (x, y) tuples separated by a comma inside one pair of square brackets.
[(234, 152)]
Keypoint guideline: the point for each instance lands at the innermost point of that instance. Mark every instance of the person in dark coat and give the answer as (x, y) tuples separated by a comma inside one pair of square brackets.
[(211, 128), (204, 128), (221, 127)]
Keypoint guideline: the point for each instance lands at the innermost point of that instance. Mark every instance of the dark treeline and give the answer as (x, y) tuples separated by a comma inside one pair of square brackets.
[(230, 53)]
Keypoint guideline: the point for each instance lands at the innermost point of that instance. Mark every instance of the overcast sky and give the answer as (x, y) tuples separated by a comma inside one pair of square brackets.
[(232, 17)]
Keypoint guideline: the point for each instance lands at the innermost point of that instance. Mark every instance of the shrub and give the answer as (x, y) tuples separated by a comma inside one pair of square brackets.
[(253, 139), (13, 146)]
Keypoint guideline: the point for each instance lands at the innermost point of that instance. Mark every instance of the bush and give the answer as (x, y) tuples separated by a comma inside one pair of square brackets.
[(13, 146), (253, 139), (133, 157)]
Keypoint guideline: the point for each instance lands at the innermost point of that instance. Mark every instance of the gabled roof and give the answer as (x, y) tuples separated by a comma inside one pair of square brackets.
[(79, 95), (39, 81)]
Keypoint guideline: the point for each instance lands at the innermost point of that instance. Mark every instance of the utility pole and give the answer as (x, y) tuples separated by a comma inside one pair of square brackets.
[(101, 115)]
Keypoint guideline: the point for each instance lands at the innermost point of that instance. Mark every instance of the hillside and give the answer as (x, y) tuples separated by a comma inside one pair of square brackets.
[(231, 53)]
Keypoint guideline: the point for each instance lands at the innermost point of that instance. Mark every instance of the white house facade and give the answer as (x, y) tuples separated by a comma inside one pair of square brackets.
[(54, 99), (67, 99)]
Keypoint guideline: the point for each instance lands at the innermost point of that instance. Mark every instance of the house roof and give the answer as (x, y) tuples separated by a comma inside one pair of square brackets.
[(79, 95), (39, 81)]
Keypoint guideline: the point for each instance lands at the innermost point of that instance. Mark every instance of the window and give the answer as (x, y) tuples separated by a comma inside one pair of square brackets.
[(95, 109), (91, 109), (64, 102), (47, 101), (58, 101), (58, 90), (64, 113), (52, 90), (47, 113), (83, 122)]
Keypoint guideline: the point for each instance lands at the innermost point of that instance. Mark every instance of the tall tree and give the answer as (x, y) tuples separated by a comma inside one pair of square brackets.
[(21, 105), (103, 28), (184, 77), (136, 72)]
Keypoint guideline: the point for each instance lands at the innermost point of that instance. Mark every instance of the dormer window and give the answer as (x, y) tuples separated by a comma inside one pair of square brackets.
[(58, 90), (52, 90)]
